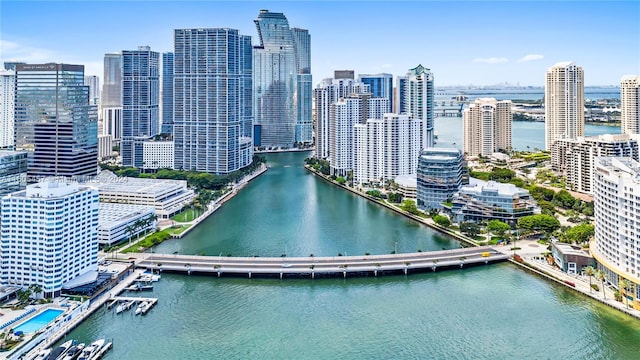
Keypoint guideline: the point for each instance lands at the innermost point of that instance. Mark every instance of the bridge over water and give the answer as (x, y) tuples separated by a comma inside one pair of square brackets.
[(323, 266)]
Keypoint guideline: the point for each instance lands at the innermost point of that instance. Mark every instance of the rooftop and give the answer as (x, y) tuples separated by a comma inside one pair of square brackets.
[(479, 186), (112, 214), (107, 182), (568, 249)]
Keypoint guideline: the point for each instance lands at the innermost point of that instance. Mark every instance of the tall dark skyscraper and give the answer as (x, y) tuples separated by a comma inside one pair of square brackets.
[(212, 100), (54, 122), (140, 102), (167, 93), (283, 84)]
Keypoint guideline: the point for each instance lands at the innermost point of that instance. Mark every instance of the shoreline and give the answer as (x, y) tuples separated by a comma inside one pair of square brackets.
[(524, 265), (217, 204)]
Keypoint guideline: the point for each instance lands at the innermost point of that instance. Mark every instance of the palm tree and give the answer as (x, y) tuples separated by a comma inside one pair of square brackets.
[(600, 276), (130, 229), (35, 289), (590, 271), (138, 224), (625, 285)]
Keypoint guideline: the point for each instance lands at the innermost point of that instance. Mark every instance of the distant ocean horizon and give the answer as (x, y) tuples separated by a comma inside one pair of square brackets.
[(522, 93)]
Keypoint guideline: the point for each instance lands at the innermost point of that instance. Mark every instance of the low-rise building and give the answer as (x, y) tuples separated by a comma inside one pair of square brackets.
[(407, 185), (157, 155), (118, 222), (168, 197), (490, 200), (571, 259)]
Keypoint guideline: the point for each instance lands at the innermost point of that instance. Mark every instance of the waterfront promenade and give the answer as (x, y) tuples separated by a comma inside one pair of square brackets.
[(323, 266)]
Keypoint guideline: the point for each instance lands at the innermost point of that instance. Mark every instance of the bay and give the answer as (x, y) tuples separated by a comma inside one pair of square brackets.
[(496, 311)]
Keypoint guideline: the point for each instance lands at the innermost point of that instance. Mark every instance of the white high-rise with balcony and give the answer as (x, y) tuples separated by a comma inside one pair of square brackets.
[(487, 127), (50, 236), (325, 94), (563, 103), (617, 229), (386, 148), (630, 104)]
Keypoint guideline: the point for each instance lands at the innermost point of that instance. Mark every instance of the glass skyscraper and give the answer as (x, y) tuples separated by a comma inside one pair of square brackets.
[(140, 102), (167, 93), (212, 100), (441, 172), (380, 85), (111, 97), (283, 84), (54, 122)]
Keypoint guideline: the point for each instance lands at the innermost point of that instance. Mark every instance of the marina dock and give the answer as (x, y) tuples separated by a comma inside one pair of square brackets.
[(324, 266)]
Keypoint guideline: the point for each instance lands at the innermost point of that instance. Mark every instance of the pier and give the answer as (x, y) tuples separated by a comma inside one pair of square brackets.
[(324, 266)]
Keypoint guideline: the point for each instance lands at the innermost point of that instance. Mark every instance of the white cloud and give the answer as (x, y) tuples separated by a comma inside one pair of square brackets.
[(492, 60), (14, 51), (531, 57)]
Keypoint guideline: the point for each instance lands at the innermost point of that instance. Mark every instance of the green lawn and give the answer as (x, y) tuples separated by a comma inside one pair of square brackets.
[(185, 216)]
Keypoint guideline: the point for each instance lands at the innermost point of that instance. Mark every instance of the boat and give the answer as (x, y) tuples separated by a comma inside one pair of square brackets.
[(142, 308), (121, 307), (149, 277), (73, 352), (90, 351), (42, 354), (60, 351), (146, 286)]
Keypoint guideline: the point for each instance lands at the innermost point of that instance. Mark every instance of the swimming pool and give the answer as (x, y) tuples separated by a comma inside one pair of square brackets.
[(39, 321)]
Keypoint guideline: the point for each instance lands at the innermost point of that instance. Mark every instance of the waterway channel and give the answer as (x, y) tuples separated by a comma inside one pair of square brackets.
[(496, 311)]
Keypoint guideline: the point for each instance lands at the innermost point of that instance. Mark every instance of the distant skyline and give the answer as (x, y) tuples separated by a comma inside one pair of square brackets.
[(462, 42)]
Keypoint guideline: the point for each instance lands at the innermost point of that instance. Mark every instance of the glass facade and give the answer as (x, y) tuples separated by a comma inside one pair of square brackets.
[(439, 176), (167, 93), (282, 98), (489, 200), (381, 86), (13, 171), (140, 101), (212, 100), (54, 122), (111, 95)]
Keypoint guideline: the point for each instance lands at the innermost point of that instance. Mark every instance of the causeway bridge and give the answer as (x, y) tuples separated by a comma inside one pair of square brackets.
[(341, 266)]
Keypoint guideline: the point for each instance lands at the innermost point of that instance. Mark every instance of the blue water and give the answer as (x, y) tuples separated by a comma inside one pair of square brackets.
[(41, 320)]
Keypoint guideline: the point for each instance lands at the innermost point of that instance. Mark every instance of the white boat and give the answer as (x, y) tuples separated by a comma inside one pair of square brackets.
[(142, 308), (90, 351), (42, 354), (74, 352), (60, 351), (121, 307), (149, 277)]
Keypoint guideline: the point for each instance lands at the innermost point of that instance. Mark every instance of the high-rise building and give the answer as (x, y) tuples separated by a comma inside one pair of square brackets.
[(282, 83), (140, 102), (50, 236), (616, 183), (487, 127), (7, 94), (380, 85), (111, 97), (167, 93), (343, 115), (326, 93), (415, 97), (93, 82), (440, 174), (54, 122), (563, 103), (574, 159), (344, 74), (385, 148), (630, 104), (212, 102)]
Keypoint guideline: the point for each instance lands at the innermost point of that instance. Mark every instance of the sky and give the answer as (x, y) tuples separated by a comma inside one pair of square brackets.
[(462, 42)]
